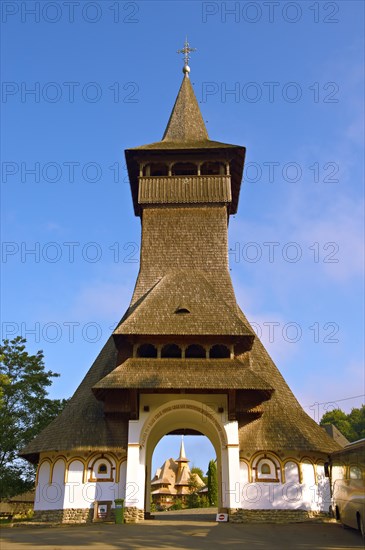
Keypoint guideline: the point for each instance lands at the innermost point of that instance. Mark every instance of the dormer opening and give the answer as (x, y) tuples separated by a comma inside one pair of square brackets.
[(184, 169), (156, 169), (194, 351), (147, 350), (212, 169), (219, 351), (182, 310), (171, 351)]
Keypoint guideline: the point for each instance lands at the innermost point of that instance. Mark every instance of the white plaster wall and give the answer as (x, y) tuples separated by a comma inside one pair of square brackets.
[(323, 489), (291, 472), (290, 495), (44, 471), (74, 487), (243, 473), (122, 479), (75, 493), (53, 494), (309, 485)]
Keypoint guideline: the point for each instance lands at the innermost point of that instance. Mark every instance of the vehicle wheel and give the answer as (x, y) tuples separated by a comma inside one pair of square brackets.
[(360, 522), (337, 514)]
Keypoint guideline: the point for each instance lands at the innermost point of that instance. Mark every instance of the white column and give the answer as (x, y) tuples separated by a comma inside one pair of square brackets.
[(135, 478), (231, 468)]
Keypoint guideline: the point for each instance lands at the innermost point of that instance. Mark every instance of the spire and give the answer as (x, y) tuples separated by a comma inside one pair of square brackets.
[(182, 457), (186, 122)]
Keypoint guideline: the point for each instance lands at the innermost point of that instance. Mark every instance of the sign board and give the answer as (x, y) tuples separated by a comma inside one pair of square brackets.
[(221, 517)]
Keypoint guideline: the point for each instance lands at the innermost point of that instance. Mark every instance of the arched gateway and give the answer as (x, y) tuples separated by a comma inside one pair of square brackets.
[(183, 357)]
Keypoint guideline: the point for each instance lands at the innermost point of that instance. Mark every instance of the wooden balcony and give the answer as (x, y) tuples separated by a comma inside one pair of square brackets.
[(184, 189)]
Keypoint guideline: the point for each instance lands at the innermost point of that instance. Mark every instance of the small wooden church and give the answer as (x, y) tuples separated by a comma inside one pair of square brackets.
[(183, 359), (171, 482)]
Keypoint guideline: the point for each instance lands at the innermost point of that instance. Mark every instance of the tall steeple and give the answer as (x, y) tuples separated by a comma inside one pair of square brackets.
[(186, 122), (182, 455)]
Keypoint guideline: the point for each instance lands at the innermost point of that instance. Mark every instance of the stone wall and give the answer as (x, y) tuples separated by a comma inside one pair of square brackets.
[(70, 515), (272, 516), (133, 515)]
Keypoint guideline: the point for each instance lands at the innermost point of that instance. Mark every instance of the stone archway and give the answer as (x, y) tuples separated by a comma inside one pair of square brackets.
[(181, 416), (172, 416)]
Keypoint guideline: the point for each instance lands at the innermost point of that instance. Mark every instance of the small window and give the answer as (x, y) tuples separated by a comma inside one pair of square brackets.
[(265, 468), (102, 469), (355, 472)]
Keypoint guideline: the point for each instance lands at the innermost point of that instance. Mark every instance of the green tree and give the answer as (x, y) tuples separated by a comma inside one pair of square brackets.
[(351, 425), (193, 500), (199, 472), (178, 505), (24, 411), (212, 483), (357, 420)]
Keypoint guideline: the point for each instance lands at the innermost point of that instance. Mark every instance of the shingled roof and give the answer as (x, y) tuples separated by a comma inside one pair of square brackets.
[(206, 312), (82, 425), (283, 424), (186, 121), (214, 374)]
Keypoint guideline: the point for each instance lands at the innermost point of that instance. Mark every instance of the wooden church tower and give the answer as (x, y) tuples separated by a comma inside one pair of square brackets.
[(183, 359)]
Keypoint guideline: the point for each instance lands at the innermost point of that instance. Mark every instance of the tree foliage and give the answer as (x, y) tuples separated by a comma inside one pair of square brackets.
[(194, 500), (199, 472), (351, 425), (24, 411), (212, 483)]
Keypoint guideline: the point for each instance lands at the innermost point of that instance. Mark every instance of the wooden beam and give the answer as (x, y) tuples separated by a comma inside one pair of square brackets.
[(232, 415)]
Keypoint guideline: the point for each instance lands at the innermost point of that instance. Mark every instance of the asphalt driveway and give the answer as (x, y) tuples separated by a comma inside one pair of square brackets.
[(181, 534)]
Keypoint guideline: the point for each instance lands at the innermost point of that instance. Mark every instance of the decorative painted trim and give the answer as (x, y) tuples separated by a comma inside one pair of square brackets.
[(248, 469), (319, 462), (117, 470), (297, 465), (45, 459), (60, 457), (77, 459), (91, 466), (270, 456), (150, 422), (307, 460)]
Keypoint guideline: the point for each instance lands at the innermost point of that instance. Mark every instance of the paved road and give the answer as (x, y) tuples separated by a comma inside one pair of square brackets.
[(182, 535)]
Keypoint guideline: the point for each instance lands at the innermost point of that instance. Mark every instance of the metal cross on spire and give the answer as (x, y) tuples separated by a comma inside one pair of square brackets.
[(186, 50)]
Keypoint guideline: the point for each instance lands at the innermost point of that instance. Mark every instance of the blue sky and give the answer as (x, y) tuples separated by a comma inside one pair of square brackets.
[(285, 79)]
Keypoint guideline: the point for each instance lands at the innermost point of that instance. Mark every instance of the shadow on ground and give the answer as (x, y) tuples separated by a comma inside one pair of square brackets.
[(201, 514)]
